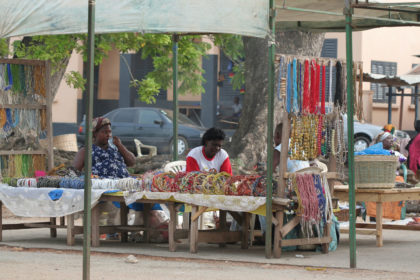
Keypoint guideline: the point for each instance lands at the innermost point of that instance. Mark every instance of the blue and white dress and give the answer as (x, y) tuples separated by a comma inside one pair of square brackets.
[(108, 163)]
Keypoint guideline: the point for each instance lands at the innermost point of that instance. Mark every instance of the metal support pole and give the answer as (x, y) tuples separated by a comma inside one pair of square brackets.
[(416, 102), (175, 96), (352, 203), (88, 140), (400, 121), (270, 120), (389, 104)]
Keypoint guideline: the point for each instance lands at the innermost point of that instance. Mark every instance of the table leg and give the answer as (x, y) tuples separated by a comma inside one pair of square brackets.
[(194, 231), (245, 230), (172, 227), (379, 241), (146, 218), (222, 225), (185, 220), (1, 221), (252, 229), (53, 231), (70, 232), (277, 234), (325, 246), (124, 221), (95, 233)]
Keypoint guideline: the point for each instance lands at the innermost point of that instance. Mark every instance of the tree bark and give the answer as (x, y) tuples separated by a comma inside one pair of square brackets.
[(249, 143)]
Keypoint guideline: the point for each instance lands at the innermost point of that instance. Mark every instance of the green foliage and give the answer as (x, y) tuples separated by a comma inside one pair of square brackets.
[(4, 47), (75, 80), (58, 49), (233, 47), (147, 89)]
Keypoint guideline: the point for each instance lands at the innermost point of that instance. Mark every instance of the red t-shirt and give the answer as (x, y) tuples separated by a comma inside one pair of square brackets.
[(197, 161)]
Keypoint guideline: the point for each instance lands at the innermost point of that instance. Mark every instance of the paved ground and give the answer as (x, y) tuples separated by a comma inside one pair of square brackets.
[(32, 254)]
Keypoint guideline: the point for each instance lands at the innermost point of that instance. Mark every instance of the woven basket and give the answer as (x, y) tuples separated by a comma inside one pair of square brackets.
[(66, 142), (375, 171)]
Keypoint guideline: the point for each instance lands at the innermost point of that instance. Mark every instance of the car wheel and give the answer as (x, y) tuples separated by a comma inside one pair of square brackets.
[(361, 143), (182, 146)]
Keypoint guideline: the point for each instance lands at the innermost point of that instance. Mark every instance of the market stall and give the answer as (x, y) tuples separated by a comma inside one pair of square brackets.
[(302, 15), (239, 195), (312, 127), (379, 196), (25, 119)]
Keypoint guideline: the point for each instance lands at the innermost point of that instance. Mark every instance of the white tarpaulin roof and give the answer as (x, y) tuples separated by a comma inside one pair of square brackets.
[(243, 17), (327, 15), (41, 17)]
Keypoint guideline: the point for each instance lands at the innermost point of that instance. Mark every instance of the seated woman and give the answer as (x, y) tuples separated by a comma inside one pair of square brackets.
[(385, 140), (414, 151), (210, 156), (108, 160), (393, 209)]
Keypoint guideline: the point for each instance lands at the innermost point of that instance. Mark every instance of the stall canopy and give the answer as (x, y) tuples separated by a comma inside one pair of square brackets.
[(45, 17), (327, 15), (402, 80)]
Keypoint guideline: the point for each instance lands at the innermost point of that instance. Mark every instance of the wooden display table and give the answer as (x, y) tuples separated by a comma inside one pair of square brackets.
[(379, 196), (222, 235)]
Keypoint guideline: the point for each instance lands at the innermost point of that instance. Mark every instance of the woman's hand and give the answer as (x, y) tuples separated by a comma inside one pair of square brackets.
[(128, 156), (116, 141)]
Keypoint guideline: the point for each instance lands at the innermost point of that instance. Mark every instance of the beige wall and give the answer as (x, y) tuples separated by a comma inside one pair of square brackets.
[(397, 44), (109, 77), (64, 107)]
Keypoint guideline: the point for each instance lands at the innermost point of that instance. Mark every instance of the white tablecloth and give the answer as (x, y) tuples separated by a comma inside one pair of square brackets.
[(33, 202), (222, 202)]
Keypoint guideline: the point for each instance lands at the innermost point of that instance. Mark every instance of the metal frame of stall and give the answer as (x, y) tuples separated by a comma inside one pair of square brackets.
[(348, 13), (349, 5)]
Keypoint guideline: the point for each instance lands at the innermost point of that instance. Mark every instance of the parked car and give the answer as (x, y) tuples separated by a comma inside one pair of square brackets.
[(365, 133), (152, 126)]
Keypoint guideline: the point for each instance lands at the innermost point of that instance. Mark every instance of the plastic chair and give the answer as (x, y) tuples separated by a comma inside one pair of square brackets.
[(175, 166), (140, 145)]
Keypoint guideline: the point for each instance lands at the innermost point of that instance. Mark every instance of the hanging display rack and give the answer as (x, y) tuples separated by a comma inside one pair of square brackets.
[(25, 109)]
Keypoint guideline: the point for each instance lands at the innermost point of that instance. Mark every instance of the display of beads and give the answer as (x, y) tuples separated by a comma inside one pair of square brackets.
[(210, 183), (19, 166)]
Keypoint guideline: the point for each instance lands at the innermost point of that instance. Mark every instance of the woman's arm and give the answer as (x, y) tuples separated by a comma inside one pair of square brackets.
[(79, 159), (128, 156)]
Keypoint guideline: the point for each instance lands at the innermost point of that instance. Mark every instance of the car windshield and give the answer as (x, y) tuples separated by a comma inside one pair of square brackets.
[(181, 117)]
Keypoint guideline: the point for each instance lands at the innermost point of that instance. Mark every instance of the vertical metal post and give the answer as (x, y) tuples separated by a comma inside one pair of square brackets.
[(270, 117), (416, 102), (88, 140), (389, 104), (352, 203), (400, 121), (175, 39)]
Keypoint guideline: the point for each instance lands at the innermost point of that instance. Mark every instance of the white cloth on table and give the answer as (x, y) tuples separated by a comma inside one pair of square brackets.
[(33, 202), (222, 202)]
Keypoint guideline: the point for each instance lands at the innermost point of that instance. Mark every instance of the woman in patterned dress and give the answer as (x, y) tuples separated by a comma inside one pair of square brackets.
[(109, 160)]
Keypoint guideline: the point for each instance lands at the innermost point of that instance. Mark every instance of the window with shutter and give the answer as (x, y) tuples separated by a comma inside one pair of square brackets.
[(380, 90)]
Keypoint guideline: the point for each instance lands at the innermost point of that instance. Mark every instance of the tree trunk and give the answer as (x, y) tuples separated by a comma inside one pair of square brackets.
[(249, 143), (58, 75)]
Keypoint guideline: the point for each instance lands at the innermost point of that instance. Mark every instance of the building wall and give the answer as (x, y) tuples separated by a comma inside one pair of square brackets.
[(64, 107), (397, 44)]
